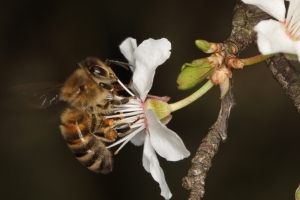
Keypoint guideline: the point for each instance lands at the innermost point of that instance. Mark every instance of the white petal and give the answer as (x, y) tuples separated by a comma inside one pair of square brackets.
[(127, 48), (149, 55), (293, 19), (151, 164), (275, 8), (165, 142), (139, 138), (272, 38), (297, 46)]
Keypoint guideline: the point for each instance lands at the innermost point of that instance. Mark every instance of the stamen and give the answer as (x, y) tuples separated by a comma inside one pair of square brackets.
[(126, 138), (140, 123), (124, 115), (129, 138), (132, 113), (134, 102), (129, 119), (125, 88), (128, 110), (125, 105)]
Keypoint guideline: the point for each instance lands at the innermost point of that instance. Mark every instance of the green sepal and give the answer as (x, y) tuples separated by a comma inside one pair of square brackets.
[(166, 119), (160, 108)]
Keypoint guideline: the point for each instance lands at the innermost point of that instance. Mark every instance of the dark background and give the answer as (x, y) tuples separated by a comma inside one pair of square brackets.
[(42, 41)]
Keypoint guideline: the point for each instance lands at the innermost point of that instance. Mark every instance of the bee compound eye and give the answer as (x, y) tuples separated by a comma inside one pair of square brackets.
[(98, 71)]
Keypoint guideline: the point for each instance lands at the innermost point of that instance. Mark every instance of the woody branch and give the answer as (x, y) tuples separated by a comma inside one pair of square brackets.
[(245, 17)]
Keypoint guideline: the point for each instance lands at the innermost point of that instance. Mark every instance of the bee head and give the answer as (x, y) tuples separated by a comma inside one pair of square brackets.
[(99, 71)]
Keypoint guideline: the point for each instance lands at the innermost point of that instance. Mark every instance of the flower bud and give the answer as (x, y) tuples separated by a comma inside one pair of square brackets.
[(297, 194), (193, 73), (207, 47)]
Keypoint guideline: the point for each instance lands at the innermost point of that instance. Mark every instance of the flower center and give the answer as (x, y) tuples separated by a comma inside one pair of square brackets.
[(132, 113)]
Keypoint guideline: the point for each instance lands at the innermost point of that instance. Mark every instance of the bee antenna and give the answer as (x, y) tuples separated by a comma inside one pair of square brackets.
[(118, 63)]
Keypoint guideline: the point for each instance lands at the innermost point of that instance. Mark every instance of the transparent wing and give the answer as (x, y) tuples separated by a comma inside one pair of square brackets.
[(38, 95)]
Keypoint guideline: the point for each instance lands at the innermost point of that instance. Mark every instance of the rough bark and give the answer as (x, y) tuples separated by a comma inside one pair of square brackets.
[(195, 180), (287, 76)]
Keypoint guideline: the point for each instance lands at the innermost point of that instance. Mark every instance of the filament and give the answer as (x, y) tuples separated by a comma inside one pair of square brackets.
[(125, 88)]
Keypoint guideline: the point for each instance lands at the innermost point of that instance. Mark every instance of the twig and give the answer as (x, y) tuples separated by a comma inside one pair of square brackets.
[(245, 17), (287, 76), (201, 163)]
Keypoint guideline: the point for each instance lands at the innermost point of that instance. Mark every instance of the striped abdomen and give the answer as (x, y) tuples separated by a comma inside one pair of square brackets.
[(89, 150)]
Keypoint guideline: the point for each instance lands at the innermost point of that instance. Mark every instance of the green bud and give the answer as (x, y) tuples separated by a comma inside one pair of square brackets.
[(193, 73), (209, 47), (203, 45), (297, 194)]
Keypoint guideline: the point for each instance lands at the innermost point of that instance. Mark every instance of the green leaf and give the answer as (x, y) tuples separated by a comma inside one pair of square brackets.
[(193, 73)]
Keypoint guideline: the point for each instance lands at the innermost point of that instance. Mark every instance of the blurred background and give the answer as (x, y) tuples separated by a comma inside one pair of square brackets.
[(42, 41)]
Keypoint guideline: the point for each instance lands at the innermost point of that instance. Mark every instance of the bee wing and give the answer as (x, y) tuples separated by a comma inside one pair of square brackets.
[(39, 95)]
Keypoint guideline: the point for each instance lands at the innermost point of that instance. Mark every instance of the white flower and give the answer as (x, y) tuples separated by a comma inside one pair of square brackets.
[(145, 122), (282, 36)]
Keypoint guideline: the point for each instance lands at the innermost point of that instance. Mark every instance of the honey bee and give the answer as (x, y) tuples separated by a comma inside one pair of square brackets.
[(91, 91)]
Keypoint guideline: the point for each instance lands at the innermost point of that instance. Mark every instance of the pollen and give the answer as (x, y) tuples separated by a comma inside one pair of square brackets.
[(131, 113)]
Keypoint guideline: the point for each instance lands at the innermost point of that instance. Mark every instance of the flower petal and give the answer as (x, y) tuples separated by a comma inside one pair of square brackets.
[(127, 48), (293, 19), (165, 142), (149, 55), (151, 165), (275, 8), (272, 38), (139, 138), (297, 46)]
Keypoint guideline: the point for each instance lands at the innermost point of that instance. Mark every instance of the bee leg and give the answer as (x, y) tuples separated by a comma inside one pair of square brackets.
[(124, 128), (106, 86), (117, 102), (102, 128), (108, 135)]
